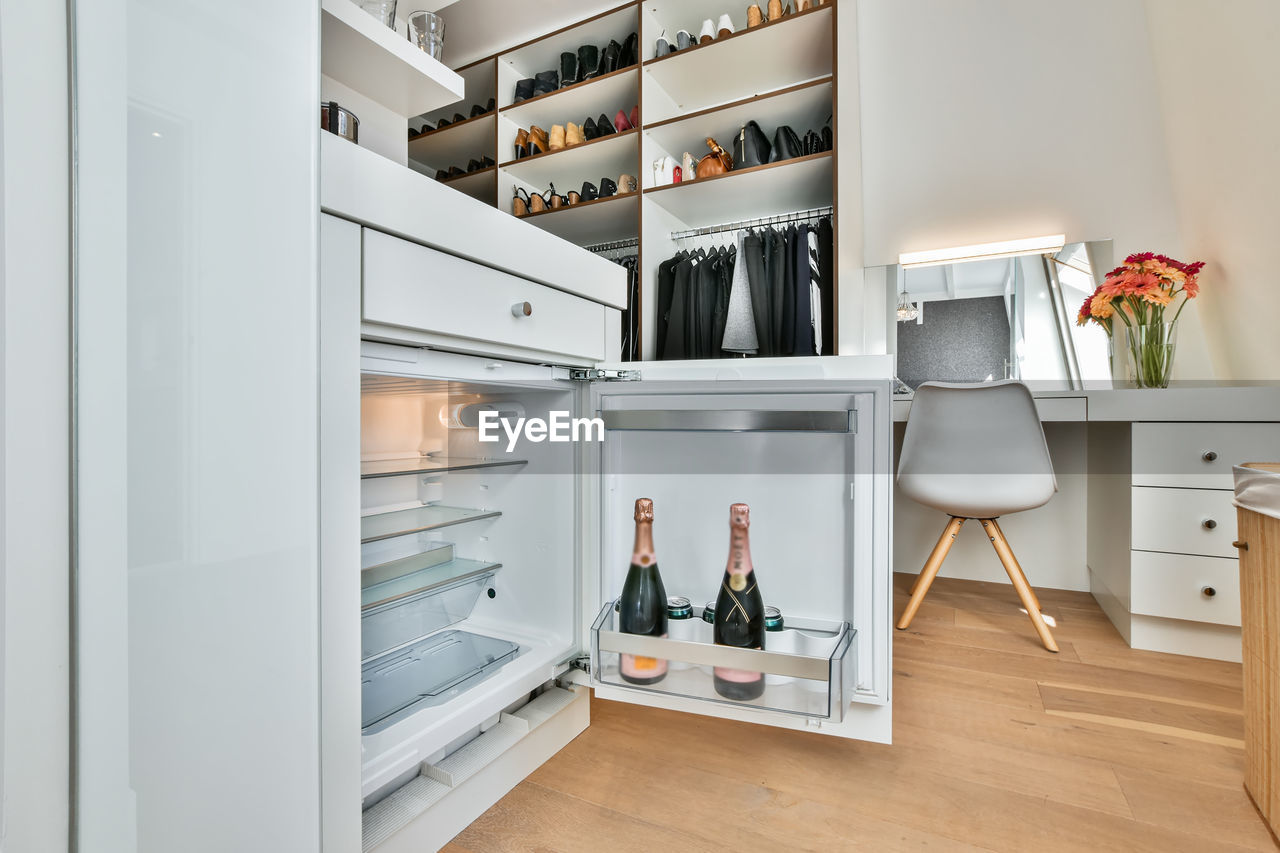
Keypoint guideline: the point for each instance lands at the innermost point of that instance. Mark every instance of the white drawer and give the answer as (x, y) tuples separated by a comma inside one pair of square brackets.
[(1199, 455), (413, 287), (1175, 586), (1183, 521)]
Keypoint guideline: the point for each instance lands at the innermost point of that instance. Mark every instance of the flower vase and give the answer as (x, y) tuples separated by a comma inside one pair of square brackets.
[(1149, 353)]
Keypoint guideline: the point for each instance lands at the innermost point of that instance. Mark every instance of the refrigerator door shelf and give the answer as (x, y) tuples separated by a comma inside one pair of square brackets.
[(808, 666)]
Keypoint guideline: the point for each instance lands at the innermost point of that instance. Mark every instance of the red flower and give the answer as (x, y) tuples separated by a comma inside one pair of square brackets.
[(1139, 258)]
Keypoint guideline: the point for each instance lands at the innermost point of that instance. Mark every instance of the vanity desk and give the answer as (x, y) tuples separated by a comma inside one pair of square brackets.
[(1144, 518)]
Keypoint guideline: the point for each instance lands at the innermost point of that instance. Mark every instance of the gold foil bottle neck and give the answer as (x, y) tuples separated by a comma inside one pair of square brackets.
[(644, 509)]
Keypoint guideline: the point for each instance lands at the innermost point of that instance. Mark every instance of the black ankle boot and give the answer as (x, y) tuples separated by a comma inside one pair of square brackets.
[(588, 62), (524, 89), (568, 69)]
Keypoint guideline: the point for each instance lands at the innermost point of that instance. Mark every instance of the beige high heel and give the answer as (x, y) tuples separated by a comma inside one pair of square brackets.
[(754, 16), (556, 140)]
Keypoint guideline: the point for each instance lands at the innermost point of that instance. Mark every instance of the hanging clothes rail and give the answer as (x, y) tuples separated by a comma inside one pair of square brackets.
[(629, 243), (780, 219)]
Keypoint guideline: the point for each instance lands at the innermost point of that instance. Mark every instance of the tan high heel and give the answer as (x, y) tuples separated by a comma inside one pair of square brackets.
[(626, 184), (775, 9), (522, 144), (520, 204), (557, 137), (802, 5), (754, 16), (537, 203), (538, 143), (573, 135)]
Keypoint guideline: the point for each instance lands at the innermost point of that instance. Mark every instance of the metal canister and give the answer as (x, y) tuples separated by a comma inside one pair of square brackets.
[(772, 618), (679, 607), (709, 612), (339, 121)]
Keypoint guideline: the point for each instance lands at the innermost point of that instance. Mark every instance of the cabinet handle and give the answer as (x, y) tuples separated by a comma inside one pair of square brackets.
[(1209, 524), (1208, 592), (1209, 456), (521, 309), (1243, 546)]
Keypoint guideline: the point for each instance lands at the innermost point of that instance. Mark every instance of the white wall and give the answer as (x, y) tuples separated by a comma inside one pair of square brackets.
[(1218, 75), (34, 424)]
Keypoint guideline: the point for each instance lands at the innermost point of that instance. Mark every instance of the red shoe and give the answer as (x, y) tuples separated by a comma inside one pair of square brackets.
[(620, 122)]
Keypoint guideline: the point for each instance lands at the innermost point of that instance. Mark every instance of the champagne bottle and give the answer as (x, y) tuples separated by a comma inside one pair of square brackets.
[(643, 606), (739, 619)]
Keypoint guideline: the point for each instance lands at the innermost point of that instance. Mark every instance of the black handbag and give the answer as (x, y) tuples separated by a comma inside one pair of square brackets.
[(785, 144), (750, 146)]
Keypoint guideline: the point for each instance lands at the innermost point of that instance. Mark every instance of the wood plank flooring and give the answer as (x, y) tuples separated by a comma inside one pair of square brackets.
[(998, 745)]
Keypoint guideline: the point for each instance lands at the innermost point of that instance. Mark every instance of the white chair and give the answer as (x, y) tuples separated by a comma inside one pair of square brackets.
[(976, 451)]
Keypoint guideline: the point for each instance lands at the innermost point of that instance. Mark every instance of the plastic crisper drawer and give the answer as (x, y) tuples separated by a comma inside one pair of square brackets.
[(427, 673), (808, 666), (447, 596)]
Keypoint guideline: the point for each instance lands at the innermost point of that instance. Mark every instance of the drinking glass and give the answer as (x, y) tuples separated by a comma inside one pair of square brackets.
[(383, 10), (426, 30)]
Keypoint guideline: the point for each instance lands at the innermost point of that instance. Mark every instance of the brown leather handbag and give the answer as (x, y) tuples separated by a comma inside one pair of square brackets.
[(717, 162)]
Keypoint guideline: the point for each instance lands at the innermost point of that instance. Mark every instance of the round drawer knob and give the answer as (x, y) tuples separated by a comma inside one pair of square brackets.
[(521, 309), (1209, 456), (1209, 524), (1208, 592)]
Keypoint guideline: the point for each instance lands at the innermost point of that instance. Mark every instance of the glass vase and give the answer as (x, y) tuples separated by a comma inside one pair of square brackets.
[(1149, 353)]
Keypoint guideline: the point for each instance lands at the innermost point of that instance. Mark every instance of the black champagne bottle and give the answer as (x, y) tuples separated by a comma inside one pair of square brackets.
[(739, 617), (643, 606)]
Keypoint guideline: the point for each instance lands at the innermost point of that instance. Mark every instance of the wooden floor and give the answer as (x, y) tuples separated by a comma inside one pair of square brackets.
[(998, 745)]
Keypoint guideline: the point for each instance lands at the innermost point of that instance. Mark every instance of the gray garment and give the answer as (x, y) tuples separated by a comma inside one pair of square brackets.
[(740, 324)]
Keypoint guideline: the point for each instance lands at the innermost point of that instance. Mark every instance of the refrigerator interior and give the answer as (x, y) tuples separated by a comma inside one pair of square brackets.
[(469, 587), (688, 453)]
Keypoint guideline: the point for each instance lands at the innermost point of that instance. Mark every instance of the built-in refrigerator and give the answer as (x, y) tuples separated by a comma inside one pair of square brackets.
[(489, 569)]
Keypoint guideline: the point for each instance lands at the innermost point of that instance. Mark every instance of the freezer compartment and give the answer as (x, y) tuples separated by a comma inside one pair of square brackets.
[(448, 602), (426, 674), (388, 559), (808, 666)]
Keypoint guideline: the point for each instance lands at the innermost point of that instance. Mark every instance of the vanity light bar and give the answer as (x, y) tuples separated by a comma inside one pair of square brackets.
[(984, 251)]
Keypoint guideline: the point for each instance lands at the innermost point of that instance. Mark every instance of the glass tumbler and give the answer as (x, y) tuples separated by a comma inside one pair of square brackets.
[(383, 10), (426, 30)]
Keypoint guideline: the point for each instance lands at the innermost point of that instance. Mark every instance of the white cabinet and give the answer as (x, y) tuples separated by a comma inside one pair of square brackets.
[(1161, 527), (505, 559)]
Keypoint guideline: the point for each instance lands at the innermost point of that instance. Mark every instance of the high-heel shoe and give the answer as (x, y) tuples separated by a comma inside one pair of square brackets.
[(634, 115), (802, 5), (568, 69), (602, 125), (572, 197), (775, 9), (476, 110), (538, 141), (555, 201), (455, 172), (620, 121), (755, 17), (522, 144), (556, 139), (630, 51), (725, 27), (520, 202), (626, 184), (573, 135), (589, 129), (661, 47), (589, 192), (683, 39), (609, 57), (473, 165), (708, 33), (486, 161), (442, 174), (489, 107), (608, 188), (444, 122), (588, 62), (537, 203)]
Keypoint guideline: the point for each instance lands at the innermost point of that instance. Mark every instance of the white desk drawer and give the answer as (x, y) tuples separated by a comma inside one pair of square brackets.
[(414, 287), (1199, 455), (1175, 586), (1183, 521)]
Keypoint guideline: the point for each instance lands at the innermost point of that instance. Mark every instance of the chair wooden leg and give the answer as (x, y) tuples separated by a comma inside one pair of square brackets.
[(1019, 579), (930, 571)]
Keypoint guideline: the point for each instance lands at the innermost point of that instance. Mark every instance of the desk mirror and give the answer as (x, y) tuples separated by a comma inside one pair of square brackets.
[(1003, 318)]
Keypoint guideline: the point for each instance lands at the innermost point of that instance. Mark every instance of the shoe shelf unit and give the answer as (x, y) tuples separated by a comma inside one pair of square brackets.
[(780, 72), (433, 149)]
